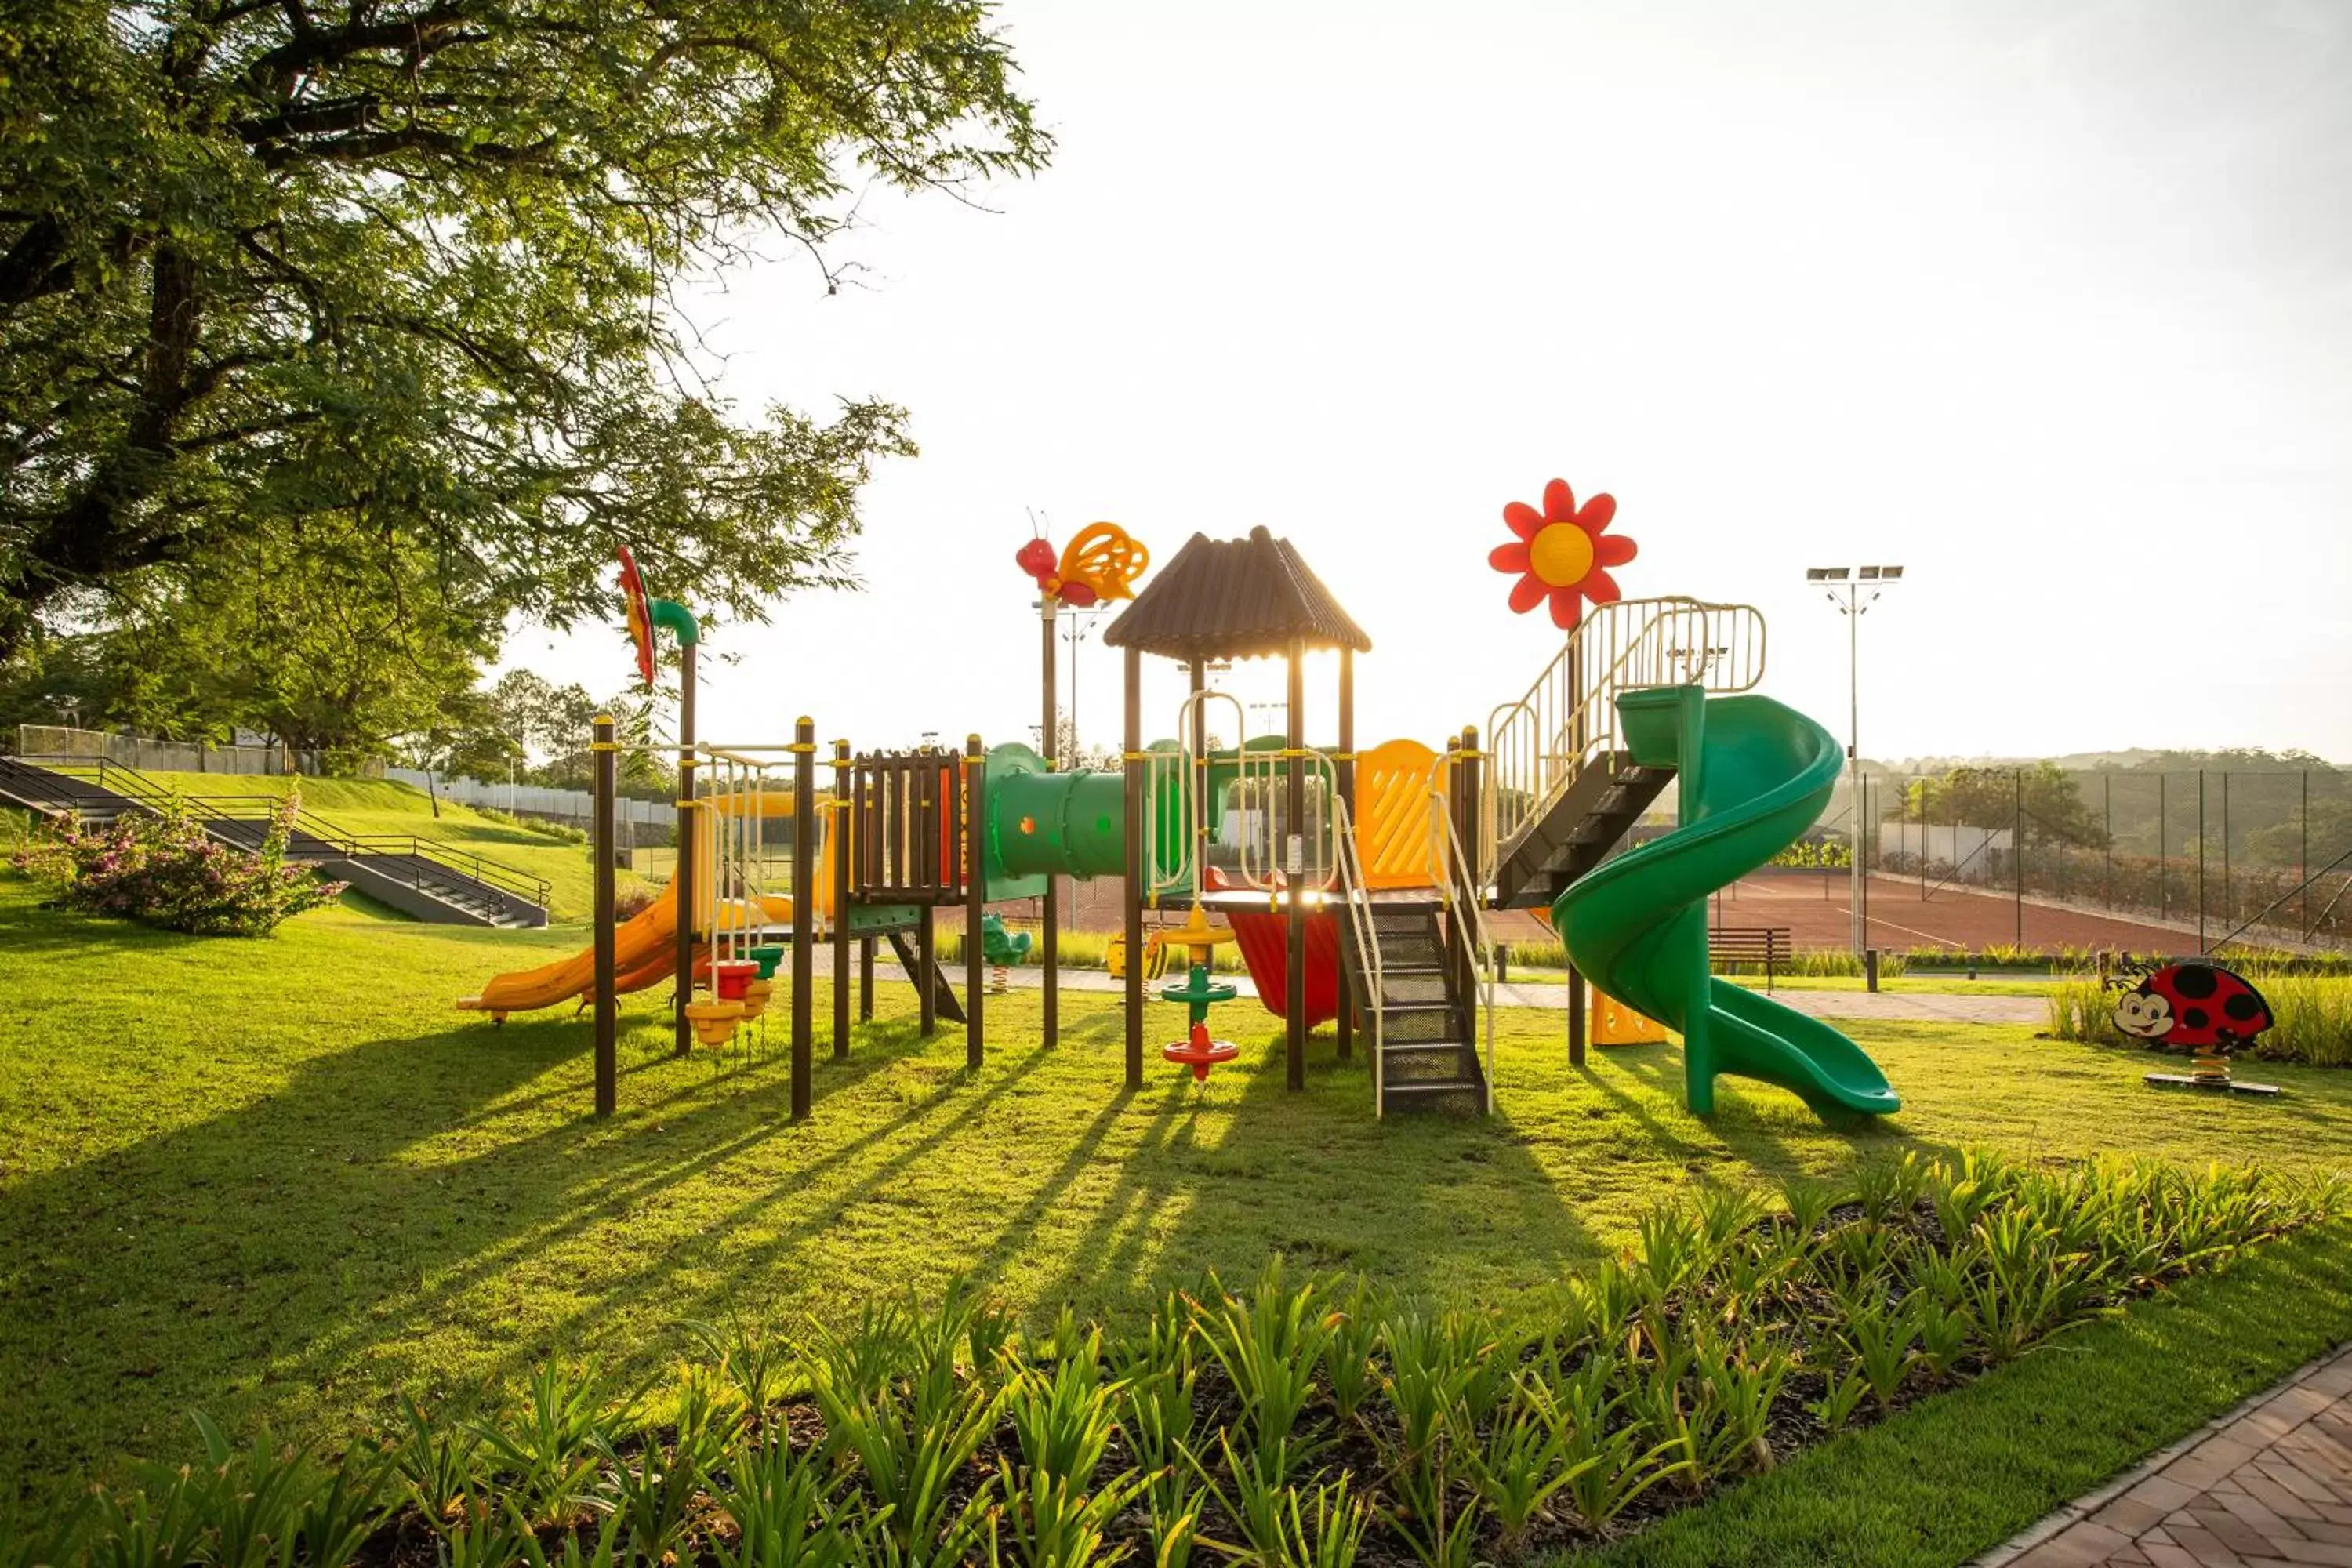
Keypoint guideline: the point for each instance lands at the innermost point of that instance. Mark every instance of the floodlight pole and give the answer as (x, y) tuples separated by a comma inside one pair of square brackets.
[(1853, 760), (1853, 607)]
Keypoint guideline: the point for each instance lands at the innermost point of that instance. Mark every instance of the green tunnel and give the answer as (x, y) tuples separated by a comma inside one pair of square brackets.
[(1042, 823)]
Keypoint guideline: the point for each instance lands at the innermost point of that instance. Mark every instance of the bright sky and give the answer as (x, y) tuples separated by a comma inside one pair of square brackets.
[(2048, 302)]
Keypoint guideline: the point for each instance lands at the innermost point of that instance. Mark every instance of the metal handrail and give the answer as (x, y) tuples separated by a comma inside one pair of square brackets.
[(1354, 889), (1459, 891), (1536, 745), (140, 790)]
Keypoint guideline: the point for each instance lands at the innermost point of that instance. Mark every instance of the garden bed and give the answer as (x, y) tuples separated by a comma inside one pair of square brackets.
[(1309, 1422)]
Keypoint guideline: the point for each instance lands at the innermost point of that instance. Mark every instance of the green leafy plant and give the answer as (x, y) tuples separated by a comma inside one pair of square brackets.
[(549, 1444), (1524, 1460), (1353, 1339), (1879, 1341), (1269, 1342), (1842, 1395), (786, 1512)]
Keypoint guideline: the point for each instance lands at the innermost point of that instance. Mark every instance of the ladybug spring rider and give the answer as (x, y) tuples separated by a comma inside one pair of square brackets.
[(2201, 1010)]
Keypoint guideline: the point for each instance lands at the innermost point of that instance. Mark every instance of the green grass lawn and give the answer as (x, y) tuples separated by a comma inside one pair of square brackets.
[(381, 806), (283, 1180)]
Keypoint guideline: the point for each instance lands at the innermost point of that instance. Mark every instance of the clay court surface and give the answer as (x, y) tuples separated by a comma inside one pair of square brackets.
[(1813, 909)]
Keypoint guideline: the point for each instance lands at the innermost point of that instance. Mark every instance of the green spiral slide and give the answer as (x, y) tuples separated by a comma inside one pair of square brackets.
[(1753, 776)]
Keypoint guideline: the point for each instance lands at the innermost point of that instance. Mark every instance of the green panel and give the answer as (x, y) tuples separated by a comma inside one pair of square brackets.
[(874, 920), (1754, 775), (1042, 823)]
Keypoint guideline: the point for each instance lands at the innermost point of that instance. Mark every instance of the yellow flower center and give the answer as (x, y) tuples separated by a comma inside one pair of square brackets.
[(1560, 553)]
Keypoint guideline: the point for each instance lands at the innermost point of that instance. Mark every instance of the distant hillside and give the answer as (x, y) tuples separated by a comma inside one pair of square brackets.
[(2246, 759)]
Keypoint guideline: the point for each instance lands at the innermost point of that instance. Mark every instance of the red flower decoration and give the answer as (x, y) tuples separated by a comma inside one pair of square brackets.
[(1562, 553)]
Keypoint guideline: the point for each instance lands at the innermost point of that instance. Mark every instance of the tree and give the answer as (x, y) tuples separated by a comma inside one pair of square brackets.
[(402, 269), (2048, 797)]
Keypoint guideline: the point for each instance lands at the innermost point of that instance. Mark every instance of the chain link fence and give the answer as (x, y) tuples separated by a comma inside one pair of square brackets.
[(2210, 856), (149, 755)]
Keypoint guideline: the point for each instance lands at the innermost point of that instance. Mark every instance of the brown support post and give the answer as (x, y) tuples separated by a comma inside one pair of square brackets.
[(1197, 783), (1462, 807), (865, 979), (681, 877), (1344, 1028), (2200, 862), (1576, 1024), (1131, 754), (607, 1001), (1294, 861), (975, 899), (1049, 743), (838, 837), (926, 960), (803, 914), (921, 830)]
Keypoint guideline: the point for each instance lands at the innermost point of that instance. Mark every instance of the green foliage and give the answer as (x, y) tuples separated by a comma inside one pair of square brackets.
[(381, 274), (943, 1440), (2043, 796), (165, 870)]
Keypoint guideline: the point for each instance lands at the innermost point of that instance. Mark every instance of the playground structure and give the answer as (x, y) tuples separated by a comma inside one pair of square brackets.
[(1353, 884)]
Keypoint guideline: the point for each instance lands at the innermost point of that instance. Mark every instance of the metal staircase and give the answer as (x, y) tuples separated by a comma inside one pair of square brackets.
[(1419, 970), (432, 880), (1558, 790)]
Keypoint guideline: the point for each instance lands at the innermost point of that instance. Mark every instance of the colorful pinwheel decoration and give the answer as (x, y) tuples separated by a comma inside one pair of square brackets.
[(634, 608), (1562, 553)]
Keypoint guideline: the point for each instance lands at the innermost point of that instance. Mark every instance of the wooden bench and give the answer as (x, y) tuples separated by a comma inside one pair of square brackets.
[(1766, 945)]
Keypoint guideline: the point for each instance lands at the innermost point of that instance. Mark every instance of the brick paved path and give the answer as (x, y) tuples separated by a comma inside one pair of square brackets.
[(2271, 1482)]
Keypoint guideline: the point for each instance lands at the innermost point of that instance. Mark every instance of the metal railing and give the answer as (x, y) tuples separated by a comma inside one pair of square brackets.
[(1354, 891), (145, 793), (1461, 893), (1536, 745)]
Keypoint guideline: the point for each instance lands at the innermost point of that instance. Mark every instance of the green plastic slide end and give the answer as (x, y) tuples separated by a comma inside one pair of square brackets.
[(676, 619)]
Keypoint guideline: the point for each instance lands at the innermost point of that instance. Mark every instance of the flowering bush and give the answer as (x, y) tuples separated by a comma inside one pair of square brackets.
[(165, 870)]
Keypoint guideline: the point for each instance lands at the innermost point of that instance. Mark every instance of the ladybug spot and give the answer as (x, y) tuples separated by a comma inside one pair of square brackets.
[(2242, 1007), (2194, 1017), (2195, 980)]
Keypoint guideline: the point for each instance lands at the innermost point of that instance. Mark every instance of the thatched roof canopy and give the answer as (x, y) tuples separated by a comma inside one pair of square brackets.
[(1234, 599)]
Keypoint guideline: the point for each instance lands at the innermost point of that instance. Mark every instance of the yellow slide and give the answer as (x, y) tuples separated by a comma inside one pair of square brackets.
[(635, 941), (642, 943)]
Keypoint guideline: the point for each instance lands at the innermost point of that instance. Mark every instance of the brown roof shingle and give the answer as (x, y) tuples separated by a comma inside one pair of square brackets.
[(1234, 599)]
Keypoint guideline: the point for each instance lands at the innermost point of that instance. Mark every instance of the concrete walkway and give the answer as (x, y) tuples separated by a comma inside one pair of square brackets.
[(1911, 1006), (2269, 1482)]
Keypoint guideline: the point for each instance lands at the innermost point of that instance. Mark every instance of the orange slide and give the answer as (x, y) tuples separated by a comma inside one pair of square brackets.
[(641, 953)]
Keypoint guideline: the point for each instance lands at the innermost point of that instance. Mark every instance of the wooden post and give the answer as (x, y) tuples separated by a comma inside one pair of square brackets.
[(865, 979), (681, 877), (1294, 873), (975, 899), (1049, 742), (2200, 862), (600, 834), (1576, 1024), (1195, 784), (1343, 1030), (1132, 761), (804, 912), (920, 829), (839, 838)]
